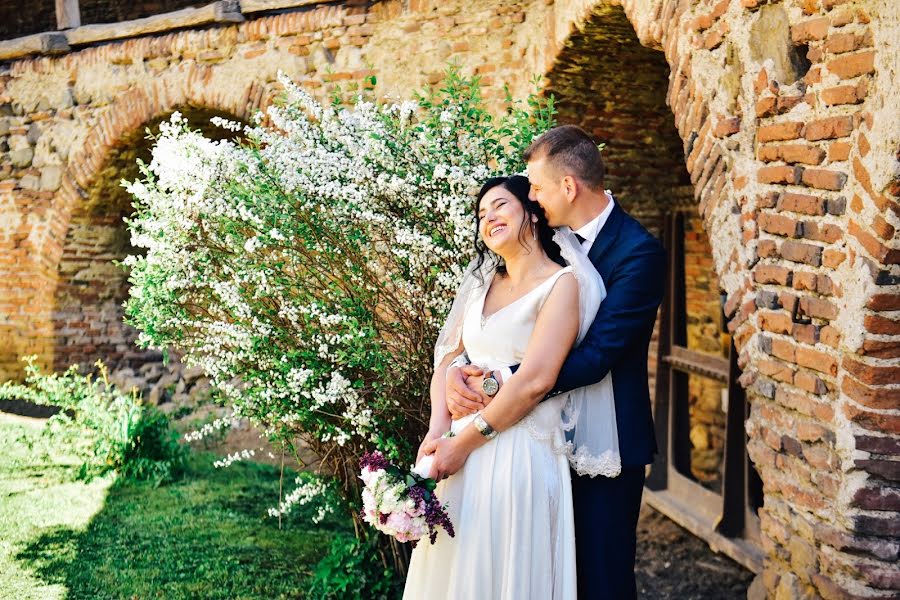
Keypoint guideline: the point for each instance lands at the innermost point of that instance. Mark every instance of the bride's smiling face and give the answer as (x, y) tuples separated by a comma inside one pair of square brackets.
[(501, 217)]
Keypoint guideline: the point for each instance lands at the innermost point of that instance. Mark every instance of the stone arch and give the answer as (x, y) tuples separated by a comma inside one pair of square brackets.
[(605, 80), (782, 111), (81, 319), (88, 316)]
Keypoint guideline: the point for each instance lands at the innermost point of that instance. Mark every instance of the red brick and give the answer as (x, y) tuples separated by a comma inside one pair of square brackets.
[(814, 29), (802, 253), (779, 225), (818, 308), (765, 107), (799, 153), (830, 336), (884, 302), (884, 229), (801, 203), (824, 180), (873, 374), (878, 250), (784, 349), (779, 132), (810, 383), (881, 422), (853, 65), (786, 175), (812, 432), (805, 334), (838, 151), (777, 370), (877, 398), (766, 248), (881, 349), (816, 360), (864, 147), (881, 325), (824, 285), (769, 200), (822, 232), (804, 281), (842, 42), (714, 38), (776, 322), (844, 94), (831, 127), (772, 274)]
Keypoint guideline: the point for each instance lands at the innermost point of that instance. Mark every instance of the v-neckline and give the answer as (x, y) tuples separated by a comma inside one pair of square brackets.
[(485, 318)]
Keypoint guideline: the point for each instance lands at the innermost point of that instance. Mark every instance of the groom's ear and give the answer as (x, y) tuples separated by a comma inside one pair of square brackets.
[(570, 188)]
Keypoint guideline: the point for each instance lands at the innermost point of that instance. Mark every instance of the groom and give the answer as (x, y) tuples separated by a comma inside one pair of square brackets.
[(566, 175)]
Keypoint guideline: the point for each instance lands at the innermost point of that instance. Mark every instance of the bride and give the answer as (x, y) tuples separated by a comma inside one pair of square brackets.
[(527, 298)]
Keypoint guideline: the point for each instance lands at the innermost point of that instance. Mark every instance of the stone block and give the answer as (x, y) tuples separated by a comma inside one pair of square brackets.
[(51, 178), (21, 157)]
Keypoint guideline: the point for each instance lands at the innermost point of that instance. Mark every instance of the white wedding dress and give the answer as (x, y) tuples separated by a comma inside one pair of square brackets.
[(511, 504)]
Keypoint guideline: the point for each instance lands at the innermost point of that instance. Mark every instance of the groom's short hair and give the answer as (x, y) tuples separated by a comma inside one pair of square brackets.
[(569, 149)]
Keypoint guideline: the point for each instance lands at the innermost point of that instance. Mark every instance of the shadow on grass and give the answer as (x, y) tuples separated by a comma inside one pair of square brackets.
[(205, 536)]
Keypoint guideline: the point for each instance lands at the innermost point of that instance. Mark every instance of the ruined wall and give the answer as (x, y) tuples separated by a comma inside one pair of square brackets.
[(779, 105), (785, 114)]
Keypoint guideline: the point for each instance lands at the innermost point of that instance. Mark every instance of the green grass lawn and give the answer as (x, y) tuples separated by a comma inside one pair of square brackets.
[(206, 536)]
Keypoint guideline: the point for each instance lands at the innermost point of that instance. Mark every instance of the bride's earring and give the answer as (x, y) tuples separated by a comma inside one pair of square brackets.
[(533, 233)]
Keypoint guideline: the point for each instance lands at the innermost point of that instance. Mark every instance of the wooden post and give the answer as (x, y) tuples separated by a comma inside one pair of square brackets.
[(68, 14)]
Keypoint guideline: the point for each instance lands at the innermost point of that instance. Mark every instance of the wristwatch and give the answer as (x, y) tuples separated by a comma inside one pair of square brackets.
[(490, 386), (483, 428)]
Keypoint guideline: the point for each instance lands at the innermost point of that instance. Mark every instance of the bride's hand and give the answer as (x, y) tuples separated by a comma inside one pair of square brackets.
[(432, 435)]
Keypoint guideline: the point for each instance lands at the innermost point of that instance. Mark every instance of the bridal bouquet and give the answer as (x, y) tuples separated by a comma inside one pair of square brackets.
[(400, 504)]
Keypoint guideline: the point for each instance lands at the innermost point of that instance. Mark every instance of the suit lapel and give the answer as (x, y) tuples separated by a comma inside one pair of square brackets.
[(607, 235)]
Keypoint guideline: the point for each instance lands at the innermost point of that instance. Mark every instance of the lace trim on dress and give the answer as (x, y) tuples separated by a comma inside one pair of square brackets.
[(608, 464)]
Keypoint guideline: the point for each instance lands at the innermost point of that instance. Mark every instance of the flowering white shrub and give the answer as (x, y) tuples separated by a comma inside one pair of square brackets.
[(307, 269)]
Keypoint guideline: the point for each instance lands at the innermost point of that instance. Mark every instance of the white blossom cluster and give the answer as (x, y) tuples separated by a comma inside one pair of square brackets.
[(245, 454), (220, 424), (306, 492), (308, 267)]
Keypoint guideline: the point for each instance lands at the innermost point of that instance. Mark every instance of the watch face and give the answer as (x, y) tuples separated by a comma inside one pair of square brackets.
[(490, 386)]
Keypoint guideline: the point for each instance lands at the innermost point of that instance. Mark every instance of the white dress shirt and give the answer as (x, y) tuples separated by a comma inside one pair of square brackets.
[(592, 228)]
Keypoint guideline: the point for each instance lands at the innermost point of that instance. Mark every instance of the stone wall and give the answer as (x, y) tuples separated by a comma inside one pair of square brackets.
[(785, 113)]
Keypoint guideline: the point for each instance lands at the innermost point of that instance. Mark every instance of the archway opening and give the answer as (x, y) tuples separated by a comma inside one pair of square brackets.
[(608, 83), (88, 313)]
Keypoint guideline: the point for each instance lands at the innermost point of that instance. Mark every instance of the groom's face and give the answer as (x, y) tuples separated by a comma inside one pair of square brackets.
[(548, 191)]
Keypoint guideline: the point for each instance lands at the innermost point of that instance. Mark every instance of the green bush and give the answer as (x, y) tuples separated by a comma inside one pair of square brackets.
[(353, 570), (108, 430)]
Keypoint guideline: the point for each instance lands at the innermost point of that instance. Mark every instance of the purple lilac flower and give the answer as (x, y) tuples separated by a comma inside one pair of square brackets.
[(374, 460)]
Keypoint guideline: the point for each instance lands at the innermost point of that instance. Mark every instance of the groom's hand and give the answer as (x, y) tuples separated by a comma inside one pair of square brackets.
[(461, 399)]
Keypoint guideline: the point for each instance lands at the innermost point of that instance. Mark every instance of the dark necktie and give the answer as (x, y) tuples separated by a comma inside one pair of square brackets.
[(580, 238)]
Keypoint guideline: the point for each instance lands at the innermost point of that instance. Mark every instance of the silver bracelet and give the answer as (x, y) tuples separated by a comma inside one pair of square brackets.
[(483, 428)]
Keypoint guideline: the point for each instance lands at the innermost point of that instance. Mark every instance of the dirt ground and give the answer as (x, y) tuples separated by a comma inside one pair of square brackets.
[(673, 564)]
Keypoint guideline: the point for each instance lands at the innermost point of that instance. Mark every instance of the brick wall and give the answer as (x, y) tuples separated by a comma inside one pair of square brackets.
[(14, 21), (111, 11), (785, 112)]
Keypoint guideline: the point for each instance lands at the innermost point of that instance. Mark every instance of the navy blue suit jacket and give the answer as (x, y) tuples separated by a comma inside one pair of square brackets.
[(632, 264)]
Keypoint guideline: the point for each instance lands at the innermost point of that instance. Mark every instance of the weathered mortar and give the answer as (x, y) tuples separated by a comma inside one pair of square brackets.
[(795, 183)]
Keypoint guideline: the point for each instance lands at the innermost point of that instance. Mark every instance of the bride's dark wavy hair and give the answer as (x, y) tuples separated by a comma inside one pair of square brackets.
[(518, 186)]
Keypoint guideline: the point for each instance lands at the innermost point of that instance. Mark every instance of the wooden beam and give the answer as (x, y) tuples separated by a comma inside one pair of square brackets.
[(40, 43), (252, 6), (68, 14), (224, 11)]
